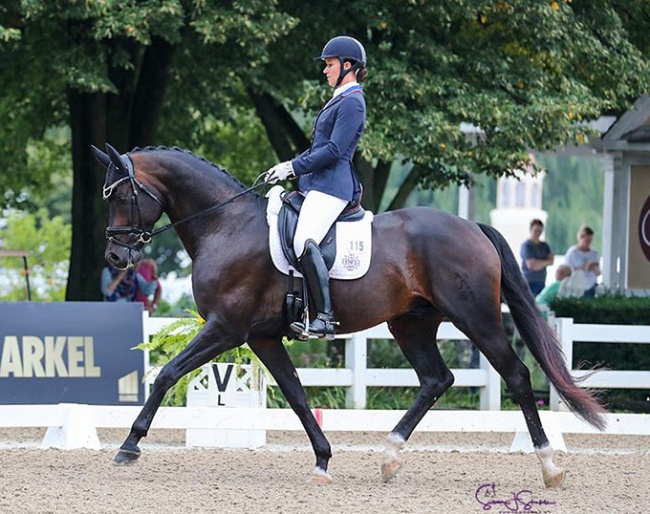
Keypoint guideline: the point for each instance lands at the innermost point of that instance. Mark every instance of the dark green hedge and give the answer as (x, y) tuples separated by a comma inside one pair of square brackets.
[(611, 310), (606, 310)]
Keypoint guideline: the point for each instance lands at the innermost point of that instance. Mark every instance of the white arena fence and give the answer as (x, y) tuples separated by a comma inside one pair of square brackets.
[(357, 377), (74, 425), (570, 333)]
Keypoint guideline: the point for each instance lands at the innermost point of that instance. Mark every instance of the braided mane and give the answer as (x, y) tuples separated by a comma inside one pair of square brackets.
[(189, 154)]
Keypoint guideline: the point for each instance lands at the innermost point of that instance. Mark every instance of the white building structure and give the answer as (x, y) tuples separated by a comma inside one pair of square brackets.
[(625, 148), (519, 200)]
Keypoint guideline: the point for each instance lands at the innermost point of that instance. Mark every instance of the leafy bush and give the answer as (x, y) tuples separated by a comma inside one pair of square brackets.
[(172, 339), (182, 308)]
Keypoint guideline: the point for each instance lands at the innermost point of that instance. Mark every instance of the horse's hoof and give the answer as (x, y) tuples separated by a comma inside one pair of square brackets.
[(320, 476), (556, 480), (390, 469), (125, 457)]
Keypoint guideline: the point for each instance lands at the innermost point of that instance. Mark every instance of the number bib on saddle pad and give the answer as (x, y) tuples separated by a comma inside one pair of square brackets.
[(353, 242)]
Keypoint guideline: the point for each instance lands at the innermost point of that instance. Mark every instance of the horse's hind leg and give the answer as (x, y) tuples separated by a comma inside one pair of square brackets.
[(415, 334), (491, 340), (275, 357), (205, 346)]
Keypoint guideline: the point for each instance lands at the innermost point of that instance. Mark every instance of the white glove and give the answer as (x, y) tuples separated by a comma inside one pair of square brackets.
[(279, 172)]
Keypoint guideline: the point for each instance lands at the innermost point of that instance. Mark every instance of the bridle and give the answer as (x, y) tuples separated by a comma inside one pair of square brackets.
[(144, 236)]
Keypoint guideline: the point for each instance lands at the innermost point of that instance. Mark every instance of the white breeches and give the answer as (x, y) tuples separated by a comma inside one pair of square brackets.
[(317, 214)]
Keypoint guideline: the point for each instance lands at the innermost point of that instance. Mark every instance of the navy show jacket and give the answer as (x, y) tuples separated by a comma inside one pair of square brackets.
[(327, 165)]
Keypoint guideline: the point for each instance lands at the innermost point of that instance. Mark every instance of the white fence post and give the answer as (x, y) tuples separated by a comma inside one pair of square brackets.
[(77, 429), (356, 360), (491, 393), (564, 329)]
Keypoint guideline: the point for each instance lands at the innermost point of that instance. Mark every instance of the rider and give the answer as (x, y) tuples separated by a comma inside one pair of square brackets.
[(326, 173)]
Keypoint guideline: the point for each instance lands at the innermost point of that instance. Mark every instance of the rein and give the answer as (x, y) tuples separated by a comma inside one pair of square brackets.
[(209, 209)]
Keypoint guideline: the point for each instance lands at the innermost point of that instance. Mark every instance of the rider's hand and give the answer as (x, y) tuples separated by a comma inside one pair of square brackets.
[(279, 172)]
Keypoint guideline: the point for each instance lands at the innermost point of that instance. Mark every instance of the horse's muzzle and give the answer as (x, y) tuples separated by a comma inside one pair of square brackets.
[(122, 258)]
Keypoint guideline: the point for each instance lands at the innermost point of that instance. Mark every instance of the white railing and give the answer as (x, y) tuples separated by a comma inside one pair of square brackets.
[(570, 332), (357, 377), (73, 426)]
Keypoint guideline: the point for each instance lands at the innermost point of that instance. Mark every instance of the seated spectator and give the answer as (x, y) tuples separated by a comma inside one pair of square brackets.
[(148, 269), (551, 291), (122, 285)]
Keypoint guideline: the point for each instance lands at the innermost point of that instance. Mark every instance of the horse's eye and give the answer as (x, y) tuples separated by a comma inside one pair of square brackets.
[(121, 199)]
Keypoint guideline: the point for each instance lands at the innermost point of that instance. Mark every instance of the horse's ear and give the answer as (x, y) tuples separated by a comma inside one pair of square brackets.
[(115, 156), (101, 157)]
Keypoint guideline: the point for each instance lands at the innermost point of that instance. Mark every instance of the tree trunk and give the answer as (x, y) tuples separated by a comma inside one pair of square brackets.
[(409, 184), (285, 136), (124, 120), (88, 126), (150, 93)]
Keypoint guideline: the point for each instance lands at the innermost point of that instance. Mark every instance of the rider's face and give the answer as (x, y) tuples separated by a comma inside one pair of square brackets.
[(332, 70)]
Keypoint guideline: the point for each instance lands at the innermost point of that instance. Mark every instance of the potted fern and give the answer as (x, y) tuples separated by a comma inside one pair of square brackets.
[(170, 340)]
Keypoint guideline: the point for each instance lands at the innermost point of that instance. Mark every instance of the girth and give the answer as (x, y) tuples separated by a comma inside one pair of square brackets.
[(288, 221)]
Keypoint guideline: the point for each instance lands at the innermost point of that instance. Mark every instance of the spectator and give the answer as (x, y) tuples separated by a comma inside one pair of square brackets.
[(553, 290), (148, 269), (536, 255), (583, 260), (122, 285)]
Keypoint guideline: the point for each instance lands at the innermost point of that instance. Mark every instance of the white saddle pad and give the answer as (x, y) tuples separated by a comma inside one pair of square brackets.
[(353, 242)]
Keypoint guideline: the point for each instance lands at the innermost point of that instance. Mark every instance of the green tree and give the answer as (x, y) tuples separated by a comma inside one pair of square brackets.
[(49, 241), (526, 73), (103, 68), (573, 197)]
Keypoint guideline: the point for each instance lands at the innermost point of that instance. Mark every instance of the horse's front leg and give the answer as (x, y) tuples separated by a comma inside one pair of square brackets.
[(209, 343), (275, 357)]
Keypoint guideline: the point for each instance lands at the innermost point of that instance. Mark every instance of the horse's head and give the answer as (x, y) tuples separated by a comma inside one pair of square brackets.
[(131, 214)]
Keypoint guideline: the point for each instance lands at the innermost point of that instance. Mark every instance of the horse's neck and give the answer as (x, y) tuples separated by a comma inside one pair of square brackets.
[(188, 194)]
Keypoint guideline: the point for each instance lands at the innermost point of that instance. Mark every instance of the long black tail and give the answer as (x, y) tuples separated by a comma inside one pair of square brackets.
[(538, 335)]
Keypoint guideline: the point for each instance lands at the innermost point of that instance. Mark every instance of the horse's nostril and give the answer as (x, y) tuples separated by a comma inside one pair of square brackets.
[(112, 258)]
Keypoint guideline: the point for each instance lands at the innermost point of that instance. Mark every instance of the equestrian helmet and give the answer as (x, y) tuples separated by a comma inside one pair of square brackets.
[(345, 48)]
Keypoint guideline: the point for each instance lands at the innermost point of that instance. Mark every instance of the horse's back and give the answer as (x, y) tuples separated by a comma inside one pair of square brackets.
[(435, 245), (430, 229)]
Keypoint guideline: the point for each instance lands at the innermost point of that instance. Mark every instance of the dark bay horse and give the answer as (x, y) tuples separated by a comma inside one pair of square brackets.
[(427, 266)]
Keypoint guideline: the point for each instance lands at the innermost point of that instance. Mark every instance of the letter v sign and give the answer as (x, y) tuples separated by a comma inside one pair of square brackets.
[(222, 386)]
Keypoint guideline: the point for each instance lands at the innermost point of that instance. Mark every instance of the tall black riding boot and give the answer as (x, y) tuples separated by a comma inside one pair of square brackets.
[(315, 273)]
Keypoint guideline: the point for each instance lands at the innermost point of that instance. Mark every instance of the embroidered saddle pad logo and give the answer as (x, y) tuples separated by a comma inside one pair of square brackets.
[(353, 243)]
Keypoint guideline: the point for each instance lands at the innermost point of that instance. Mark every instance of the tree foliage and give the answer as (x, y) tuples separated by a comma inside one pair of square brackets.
[(516, 74), (48, 241), (526, 73), (103, 68), (573, 197)]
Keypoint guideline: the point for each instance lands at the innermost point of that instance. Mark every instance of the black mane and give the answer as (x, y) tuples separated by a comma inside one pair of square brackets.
[(188, 153)]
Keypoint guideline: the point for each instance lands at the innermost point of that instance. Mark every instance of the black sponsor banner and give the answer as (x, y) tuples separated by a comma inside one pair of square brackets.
[(71, 352)]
